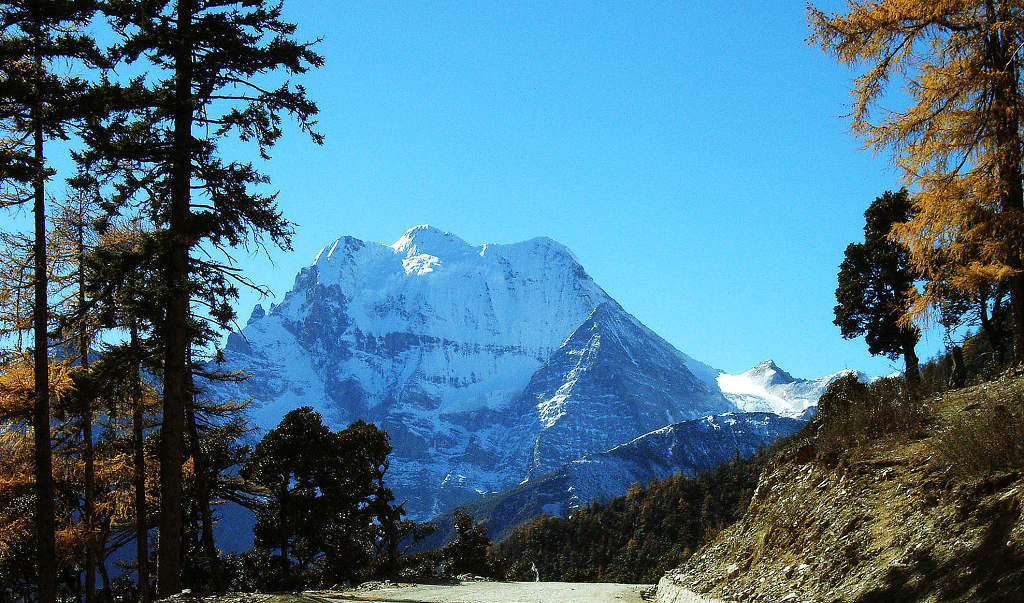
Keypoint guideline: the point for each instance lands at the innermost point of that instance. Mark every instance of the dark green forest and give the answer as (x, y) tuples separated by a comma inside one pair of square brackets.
[(636, 537)]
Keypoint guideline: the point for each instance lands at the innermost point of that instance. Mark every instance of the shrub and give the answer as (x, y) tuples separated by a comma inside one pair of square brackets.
[(984, 442), (470, 552), (851, 412)]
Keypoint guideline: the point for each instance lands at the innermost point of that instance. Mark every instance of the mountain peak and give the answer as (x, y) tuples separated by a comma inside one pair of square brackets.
[(769, 373), (430, 240), (604, 311)]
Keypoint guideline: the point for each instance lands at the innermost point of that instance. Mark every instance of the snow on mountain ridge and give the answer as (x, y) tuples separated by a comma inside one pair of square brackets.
[(768, 373), (484, 363), (768, 388), (431, 282)]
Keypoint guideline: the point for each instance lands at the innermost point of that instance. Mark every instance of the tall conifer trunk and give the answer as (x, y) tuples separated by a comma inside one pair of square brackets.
[(87, 452), (141, 523), (1004, 99), (203, 495), (46, 549), (176, 394), (203, 486)]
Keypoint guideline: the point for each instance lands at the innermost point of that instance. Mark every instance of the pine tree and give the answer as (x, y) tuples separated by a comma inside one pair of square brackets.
[(38, 105), (957, 142), (210, 63), (324, 506), (468, 552), (875, 279), (125, 275)]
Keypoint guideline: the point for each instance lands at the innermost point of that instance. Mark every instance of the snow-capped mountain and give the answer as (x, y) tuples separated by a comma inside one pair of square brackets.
[(486, 364), (768, 388), (611, 377), (690, 447)]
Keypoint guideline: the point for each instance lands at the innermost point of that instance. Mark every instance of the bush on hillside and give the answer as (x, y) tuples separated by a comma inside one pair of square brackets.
[(851, 412), (985, 440), (469, 553)]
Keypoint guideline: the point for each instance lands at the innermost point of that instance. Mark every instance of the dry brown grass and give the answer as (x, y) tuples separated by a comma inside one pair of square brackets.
[(985, 436)]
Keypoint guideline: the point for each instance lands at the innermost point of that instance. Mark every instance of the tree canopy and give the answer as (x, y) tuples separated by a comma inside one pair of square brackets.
[(956, 137), (875, 284), (325, 505)]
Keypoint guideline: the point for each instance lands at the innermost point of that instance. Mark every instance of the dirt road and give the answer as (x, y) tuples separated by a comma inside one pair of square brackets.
[(508, 592)]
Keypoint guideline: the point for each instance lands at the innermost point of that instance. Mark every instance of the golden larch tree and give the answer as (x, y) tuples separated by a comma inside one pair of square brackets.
[(955, 135)]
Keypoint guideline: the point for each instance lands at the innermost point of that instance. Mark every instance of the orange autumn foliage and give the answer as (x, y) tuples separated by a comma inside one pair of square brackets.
[(955, 131)]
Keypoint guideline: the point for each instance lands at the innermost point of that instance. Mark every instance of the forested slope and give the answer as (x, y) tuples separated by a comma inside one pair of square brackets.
[(636, 537)]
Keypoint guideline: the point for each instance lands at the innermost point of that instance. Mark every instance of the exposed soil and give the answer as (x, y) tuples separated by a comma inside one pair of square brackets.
[(890, 521)]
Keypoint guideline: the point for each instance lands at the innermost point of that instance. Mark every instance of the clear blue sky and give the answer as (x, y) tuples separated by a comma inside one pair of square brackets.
[(692, 154)]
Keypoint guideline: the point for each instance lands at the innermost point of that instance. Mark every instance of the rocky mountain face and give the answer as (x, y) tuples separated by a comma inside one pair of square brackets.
[(690, 447), (610, 377), (486, 364)]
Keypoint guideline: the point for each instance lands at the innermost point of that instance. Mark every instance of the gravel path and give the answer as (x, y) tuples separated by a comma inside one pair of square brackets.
[(508, 592)]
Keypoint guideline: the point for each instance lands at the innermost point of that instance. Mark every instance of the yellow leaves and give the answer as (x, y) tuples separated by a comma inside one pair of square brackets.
[(17, 384), (113, 464), (958, 138)]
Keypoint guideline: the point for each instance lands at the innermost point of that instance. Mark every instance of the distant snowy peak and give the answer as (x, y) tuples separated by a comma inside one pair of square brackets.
[(484, 363), (768, 388), (768, 373), (425, 239)]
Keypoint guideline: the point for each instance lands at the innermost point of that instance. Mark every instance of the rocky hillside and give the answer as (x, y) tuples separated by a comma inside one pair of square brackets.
[(929, 511)]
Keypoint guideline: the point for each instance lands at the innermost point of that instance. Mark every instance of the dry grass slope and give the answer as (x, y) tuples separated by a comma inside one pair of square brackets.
[(930, 511)]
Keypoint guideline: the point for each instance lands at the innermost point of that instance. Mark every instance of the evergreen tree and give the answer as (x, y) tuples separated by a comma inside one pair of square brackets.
[(467, 554), (958, 139), (124, 276), (875, 281), (325, 505), (210, 63), (36, 106)]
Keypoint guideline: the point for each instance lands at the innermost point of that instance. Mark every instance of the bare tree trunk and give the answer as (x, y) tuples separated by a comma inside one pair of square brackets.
[(204, 494), (284, 537), (1017, 311), (141, 521), (176, 394), (991, 329), (45, 490), (87, 452), (958, 375), (911, 371)]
